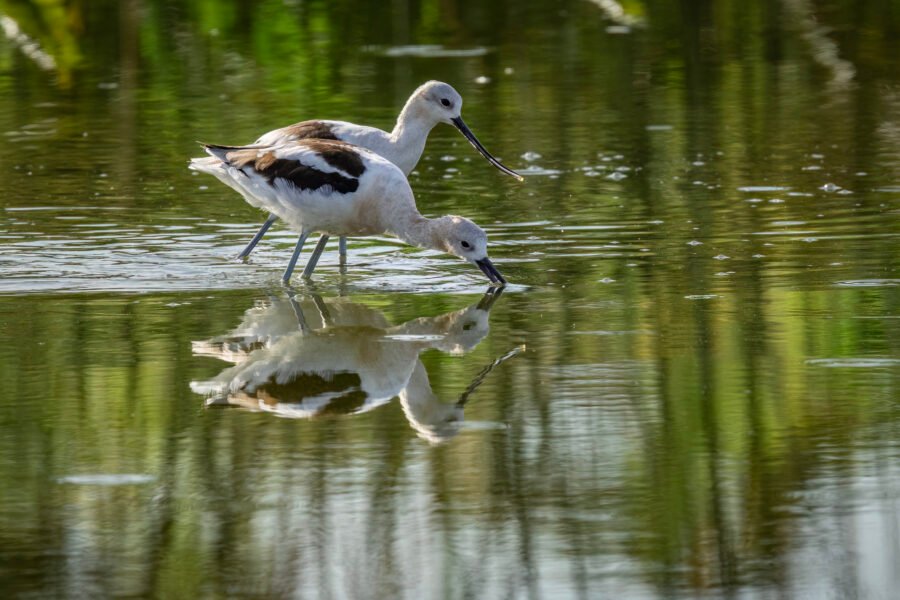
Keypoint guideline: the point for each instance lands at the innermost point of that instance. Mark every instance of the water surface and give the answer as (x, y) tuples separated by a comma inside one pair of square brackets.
[(688, 390)]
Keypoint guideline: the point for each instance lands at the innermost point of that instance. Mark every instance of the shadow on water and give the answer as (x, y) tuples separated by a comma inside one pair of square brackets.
[(347, 360)]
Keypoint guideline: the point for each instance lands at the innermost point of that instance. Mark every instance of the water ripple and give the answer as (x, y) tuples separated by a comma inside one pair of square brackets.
[(856, 283), (854, 363)]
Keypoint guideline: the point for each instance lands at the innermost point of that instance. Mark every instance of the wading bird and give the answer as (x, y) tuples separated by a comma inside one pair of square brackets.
[(432, 103), (339, 189)]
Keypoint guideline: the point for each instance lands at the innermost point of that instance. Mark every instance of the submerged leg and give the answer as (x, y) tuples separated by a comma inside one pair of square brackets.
[(324, 313), (314, 257), (293, 262), (298, 312), (342, 250), (262, 231)]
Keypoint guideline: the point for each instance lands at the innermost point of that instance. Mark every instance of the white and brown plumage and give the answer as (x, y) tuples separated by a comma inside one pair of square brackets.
[(339, 189), (432, 103)]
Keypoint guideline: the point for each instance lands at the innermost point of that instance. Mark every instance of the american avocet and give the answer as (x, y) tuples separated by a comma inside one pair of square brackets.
[(432, 103), (339, 189), (343, 358)]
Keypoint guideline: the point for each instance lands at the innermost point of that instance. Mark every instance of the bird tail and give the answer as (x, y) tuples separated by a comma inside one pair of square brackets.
[(218, 165), (220, 151), (204, 164), (217, 156)]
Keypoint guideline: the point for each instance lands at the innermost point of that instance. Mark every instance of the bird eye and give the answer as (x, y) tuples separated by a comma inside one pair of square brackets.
[(466, 244), (445, 102)]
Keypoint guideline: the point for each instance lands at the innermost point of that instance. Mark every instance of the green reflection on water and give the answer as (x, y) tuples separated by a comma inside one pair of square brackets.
[(707, 398)]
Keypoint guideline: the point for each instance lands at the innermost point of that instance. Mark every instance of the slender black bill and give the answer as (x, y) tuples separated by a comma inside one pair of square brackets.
[(463, 129), (488, 268)]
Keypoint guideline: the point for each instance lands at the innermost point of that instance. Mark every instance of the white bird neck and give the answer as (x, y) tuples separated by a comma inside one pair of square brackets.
[(419, 231), (409, 136), (432, 419)]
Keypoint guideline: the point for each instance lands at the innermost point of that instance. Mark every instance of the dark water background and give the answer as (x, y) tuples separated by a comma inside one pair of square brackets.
[(704, 266)]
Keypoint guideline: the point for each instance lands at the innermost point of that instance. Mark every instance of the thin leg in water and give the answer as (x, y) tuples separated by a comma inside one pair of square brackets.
[(342, 250), (324, 313), (293, 262), (298, 312), (314, 257), (262, 231)]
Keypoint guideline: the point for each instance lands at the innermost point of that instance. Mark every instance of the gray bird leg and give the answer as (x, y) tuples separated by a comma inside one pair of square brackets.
[(293, 262), (314, 257), (262, 231), (342, 250)]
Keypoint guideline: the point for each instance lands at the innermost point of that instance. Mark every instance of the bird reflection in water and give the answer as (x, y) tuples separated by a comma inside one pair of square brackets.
[(305, 357)]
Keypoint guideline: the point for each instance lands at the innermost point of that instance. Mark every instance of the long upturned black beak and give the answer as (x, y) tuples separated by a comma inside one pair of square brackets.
[(463, 129), (488, 268)]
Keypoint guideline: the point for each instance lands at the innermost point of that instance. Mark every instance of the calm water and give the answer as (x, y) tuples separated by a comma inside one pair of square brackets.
[(690, 388)]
